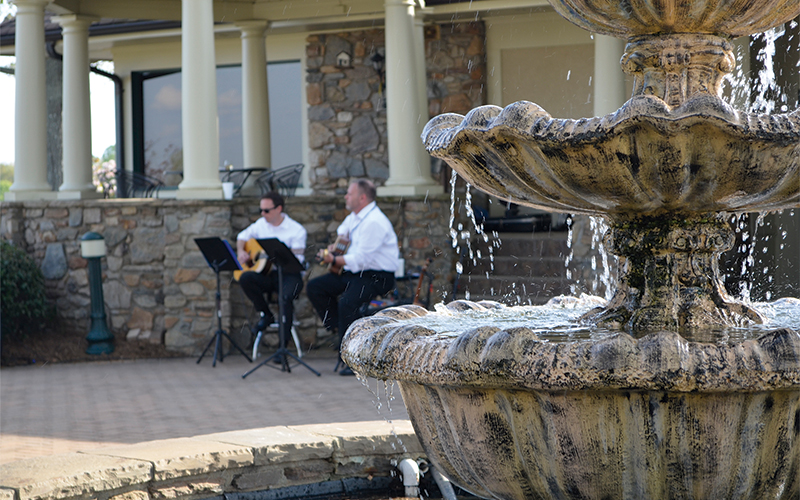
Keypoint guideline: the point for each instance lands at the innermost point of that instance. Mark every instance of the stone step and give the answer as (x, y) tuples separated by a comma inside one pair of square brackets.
[(512, 290), (550, 244), (521, 266)]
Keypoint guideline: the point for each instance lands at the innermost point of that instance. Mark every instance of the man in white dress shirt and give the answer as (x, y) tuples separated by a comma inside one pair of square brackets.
[(368, 263), (273, 223)]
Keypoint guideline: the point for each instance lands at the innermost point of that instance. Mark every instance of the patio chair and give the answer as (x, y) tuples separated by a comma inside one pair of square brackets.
[(283, 180), (138, 185)]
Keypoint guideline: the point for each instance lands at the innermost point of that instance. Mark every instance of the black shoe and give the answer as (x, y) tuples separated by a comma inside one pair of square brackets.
[(346, 371), (263, 323)]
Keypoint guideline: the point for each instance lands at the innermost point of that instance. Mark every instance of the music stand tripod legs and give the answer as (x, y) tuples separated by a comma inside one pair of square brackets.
[(212, 251), (282, 354)]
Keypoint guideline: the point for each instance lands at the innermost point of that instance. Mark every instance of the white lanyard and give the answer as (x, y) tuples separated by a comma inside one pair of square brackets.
[(353, 230)]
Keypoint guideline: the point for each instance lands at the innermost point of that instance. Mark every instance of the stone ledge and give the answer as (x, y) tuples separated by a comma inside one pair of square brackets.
[(215, 464)]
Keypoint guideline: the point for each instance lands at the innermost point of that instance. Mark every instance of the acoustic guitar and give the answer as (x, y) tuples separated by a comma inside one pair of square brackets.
[(259, 263), (339, 248)]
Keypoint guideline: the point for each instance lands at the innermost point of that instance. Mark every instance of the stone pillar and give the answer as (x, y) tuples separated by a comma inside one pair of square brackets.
[(76, 113), (255, 95), (30, 118), (405, 113), (609, 80), (199, 103)]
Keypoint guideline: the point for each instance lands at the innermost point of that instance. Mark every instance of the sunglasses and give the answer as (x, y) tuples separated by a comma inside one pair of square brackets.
[(267, 210)]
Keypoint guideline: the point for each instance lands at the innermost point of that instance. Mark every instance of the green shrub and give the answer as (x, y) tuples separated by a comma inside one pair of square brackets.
[(4, 185), (23, 304)]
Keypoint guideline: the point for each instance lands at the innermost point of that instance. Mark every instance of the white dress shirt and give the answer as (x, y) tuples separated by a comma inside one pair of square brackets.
[(373, 243), (290, 232)]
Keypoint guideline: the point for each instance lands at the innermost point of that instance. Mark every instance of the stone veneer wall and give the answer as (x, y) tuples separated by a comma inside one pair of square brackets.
[(157, 285), (347, 114)]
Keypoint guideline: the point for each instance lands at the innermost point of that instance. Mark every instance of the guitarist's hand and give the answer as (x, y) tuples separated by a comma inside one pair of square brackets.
[(326, 256), (322, 255), (244, 257)]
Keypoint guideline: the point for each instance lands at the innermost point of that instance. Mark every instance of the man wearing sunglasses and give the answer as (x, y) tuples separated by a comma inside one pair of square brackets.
[(273, 223)]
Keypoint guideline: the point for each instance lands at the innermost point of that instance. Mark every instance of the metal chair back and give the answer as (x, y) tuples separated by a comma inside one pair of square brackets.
[(283, 180), (136, 185)]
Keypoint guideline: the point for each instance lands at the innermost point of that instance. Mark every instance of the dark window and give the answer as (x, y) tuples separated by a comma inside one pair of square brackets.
[(157, 144)]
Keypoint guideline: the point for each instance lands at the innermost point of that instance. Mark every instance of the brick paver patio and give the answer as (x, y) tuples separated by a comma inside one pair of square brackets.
[(61, 408)]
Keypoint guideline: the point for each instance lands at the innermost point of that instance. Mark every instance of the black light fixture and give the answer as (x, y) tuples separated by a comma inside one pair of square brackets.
[(378, 60), (101, 340)]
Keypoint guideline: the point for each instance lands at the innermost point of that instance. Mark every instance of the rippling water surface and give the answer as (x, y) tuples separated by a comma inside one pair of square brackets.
[(557, 321)]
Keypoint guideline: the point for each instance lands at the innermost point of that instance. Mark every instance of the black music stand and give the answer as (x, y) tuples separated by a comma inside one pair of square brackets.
[(220, 257), (284, 260)]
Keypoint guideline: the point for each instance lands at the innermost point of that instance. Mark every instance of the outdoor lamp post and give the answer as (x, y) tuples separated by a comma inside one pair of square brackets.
[(101, 341)]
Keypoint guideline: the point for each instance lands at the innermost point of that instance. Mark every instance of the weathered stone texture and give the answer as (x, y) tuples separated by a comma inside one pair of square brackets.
[(72, 475), (132, 495), (55, 262), (174, 458)]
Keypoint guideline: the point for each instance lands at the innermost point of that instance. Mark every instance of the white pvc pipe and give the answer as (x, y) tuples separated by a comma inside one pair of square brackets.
[(409, 470)]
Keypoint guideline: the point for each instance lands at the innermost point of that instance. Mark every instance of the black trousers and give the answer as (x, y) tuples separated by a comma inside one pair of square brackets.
[(255, 285), (337, 298)]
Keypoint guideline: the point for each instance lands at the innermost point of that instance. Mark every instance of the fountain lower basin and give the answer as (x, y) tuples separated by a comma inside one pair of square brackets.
[(509, 413)]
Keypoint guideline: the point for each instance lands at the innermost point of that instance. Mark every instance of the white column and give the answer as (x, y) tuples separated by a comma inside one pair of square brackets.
[(76, 112), (609, 80), (405, 113), (255, 95), (422, 91), (199, 103), (30, 106)]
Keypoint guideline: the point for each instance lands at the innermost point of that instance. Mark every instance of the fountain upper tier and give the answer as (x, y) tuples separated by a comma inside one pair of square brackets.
[(662, 167), (649, 17), (674, 148), (643, 160)]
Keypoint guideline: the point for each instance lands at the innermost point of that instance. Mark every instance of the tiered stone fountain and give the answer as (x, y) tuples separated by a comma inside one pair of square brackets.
[(664, 405)]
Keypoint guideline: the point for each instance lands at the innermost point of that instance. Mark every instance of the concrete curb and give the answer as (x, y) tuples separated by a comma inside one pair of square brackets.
[(214, 464)]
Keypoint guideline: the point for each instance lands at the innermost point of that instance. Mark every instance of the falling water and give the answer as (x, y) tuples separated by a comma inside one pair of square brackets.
[(386, 387), (603, 277), (766, 75), (602, 264), (754, 266), (461, 238), (570, 255), (752, 274)]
